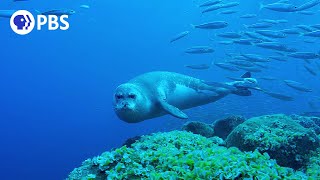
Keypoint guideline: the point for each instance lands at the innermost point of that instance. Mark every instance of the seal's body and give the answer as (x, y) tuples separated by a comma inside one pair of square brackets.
[(158, 93)]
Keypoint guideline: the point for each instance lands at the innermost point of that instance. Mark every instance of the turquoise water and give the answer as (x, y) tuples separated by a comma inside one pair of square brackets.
[(57, 86)]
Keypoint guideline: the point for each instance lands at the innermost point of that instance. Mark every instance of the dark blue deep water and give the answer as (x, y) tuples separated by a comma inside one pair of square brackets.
[(57, 86)]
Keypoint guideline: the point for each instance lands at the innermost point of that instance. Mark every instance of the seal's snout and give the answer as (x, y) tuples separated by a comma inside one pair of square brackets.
[(125, 105)]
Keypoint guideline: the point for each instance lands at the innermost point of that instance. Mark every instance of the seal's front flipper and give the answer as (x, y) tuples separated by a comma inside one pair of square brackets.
[(174, 111)]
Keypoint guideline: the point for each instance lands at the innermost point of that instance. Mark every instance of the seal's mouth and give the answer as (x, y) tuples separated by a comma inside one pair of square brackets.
[(123, 107)]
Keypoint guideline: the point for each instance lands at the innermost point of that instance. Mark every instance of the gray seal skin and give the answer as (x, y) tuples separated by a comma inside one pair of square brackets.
[(159, 93)]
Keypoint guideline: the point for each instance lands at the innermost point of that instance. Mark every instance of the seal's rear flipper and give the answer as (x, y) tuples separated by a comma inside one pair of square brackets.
[(246, 75), (244, 84), (174, 111), (242, 92)]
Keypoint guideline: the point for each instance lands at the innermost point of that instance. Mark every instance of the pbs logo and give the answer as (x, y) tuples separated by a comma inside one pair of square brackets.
[(23, 22)]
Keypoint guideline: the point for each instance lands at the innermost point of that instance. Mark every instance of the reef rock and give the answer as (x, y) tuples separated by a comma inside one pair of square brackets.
[(181, 155), (308, 122), (199, 128), (279, 135), (130, 141), (223, 127)]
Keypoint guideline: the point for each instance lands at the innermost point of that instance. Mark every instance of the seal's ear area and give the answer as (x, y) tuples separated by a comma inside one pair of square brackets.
[(174, 111)]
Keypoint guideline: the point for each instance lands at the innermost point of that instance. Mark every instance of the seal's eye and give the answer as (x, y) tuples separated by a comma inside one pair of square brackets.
[(119, 96), (132, 96)]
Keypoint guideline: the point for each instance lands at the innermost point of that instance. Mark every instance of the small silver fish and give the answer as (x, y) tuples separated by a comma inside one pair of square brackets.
[(247, 16), (230, 4), (228, 12), (255, 58), (305, 28), (304, 55), (84, 6), (243, 41), (280, 21), (59, 12), (241, 63), (275, 46), (279, 7), (291, 31), (212, 8), (313, 33), (278, 58), (212, 25), (259, 25), (225, 42), (231, 35), (7, 13), (309, 41), (210, 3), (198, 66), (271, 33), (269, 21), (268, 78), (226, 66), (317, 26), (310, 70), (306, 12), (297, 86), (199, 50), (262, 65), (308, 5), (257, 36), (279, 96), (179, 36)]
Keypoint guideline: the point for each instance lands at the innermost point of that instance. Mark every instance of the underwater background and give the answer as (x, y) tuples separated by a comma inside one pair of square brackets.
[(57, 86)]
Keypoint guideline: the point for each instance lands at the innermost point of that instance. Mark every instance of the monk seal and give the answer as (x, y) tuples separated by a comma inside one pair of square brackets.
[(155, 94)]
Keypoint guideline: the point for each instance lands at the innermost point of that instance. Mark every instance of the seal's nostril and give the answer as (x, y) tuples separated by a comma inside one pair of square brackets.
[(124, 104)]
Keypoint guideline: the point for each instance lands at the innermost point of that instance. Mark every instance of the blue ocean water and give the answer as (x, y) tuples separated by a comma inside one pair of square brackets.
[(57, 86)]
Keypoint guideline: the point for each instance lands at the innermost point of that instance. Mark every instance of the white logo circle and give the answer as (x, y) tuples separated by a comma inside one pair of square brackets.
[(22, 22)]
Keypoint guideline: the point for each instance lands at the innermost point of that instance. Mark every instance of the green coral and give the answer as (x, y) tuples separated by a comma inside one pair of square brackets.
[(313, 169), (279, 135), (181, 155)]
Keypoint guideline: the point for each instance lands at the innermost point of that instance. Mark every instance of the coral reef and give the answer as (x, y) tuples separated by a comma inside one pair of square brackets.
[(223, 127), (279, 135), (181, 155), (198, 128), (308, 122), (313, 169)]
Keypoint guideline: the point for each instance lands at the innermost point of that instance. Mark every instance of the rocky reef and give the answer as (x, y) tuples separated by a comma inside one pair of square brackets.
[(223, 127), (279, 135), (201, 128), (220, 128), (266, 147)]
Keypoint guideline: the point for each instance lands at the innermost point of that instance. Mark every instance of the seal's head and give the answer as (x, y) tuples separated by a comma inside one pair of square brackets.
[(130, 103)]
